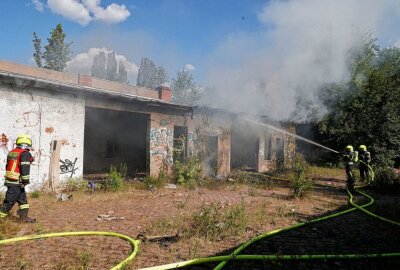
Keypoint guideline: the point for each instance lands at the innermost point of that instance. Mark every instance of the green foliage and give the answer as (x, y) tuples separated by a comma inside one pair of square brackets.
[(37, 45), (156, 182), (189, 172), (75, 185), (366, 109), (35, 194), (115, 178), (150, 75), (56, 53), (387, 179), (184, 89), (85, 260), (298, 180), (212, 223)]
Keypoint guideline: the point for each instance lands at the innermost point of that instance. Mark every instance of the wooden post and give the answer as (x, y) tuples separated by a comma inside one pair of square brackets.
[(54, 175)]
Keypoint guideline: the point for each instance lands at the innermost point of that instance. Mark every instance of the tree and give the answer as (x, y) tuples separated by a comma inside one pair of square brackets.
[(111, 67), (122, 73), (184, 89), (56, 53), (106, 67), (366, 109), (37, 55), (150, 75), (99, 66)]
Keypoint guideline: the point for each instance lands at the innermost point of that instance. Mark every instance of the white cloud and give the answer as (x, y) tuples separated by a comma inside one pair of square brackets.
[(189, 67), (82, 63), (70, 9), (38, 5), (85, 11), (113, 13)]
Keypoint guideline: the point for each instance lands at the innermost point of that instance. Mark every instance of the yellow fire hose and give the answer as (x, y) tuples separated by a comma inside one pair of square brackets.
[(134, 243)]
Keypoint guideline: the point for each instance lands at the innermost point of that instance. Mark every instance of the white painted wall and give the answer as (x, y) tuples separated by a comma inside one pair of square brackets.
[(46, 116)]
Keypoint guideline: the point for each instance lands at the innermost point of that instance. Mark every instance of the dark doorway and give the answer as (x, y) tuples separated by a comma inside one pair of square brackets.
[(115, 138), (180, 143), (211, 156), (244, 146), (280, 154)]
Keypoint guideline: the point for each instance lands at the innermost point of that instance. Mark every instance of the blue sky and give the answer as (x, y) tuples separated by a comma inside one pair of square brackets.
[(259, 55), (171, 32)]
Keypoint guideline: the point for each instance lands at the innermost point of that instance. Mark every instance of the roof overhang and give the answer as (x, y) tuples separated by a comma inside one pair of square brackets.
[(22, 80)]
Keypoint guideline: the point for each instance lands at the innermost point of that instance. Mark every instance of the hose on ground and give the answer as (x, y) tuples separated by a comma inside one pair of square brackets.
[(134, 243)]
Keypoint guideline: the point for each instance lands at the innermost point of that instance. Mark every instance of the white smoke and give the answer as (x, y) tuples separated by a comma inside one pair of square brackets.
[(304, 45)]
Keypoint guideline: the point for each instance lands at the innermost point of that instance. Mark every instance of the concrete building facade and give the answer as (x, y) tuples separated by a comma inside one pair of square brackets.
[(81, 125)]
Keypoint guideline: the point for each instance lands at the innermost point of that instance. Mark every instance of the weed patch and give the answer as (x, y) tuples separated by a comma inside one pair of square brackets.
[(299, 182), (212, 223), (188, 173)]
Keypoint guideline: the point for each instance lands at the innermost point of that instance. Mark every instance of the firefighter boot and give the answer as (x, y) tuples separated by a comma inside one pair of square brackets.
[(23, 214)]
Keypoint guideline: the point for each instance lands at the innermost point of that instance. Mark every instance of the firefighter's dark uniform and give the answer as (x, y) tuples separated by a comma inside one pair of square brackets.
[(349, 157), (364, 157), (16, 178)]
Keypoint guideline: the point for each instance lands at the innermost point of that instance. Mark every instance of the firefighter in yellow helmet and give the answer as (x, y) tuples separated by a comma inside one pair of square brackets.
[(17, 177), (350, 157), (364, 157)]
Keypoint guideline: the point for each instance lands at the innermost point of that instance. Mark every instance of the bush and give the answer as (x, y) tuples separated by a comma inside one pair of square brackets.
[(299, 182), (115, 178), (387, 179), (75, 184), (189, 172), (155, 182), (213, 224)]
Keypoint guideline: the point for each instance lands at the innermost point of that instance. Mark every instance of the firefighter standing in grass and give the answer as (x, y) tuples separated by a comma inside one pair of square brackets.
[(17, 177), (350, 157), (364, 157)]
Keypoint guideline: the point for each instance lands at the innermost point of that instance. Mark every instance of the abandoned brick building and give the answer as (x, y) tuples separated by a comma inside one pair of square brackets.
[(81, 125)]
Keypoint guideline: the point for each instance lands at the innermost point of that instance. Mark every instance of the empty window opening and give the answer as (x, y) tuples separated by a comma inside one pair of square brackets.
[(115, 138), (180, 143)]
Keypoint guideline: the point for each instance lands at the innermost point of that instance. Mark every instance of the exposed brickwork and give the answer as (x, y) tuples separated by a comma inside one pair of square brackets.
[(85, 80), (165, 93)]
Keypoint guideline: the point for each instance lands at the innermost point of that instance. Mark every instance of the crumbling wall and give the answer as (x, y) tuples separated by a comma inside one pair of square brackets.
[(161, 140), (290, 147), (211, 125), (46, 116)]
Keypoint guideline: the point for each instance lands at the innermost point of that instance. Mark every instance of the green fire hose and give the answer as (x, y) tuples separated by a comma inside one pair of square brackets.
[(134, 243)]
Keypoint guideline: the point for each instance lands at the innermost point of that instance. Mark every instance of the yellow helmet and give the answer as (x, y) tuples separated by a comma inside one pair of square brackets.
[(362, 147), (349, 147), (24, 139)]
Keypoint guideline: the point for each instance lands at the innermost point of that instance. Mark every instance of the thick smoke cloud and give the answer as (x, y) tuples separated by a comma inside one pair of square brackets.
[(304, 45)]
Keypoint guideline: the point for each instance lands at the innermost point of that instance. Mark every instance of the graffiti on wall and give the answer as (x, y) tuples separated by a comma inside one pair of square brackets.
[(161, 145), (161, 137), (40, 156), (27, 119), (67, 166)]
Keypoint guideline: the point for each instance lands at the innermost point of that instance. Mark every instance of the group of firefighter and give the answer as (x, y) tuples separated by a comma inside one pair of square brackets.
[(362, 157)]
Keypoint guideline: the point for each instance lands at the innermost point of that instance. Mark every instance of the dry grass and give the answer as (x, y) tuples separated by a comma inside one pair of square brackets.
[(233, 212)]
